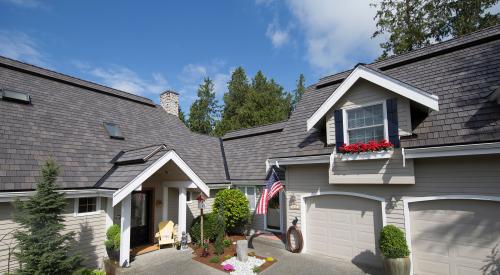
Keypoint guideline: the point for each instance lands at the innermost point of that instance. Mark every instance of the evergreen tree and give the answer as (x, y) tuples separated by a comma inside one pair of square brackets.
[(203, 112), (182, 117), (238, 90), (42, 248), (299, 90), (412, 24)]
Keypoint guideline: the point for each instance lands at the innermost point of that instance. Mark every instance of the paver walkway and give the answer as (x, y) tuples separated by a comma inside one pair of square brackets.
[(170, 261)]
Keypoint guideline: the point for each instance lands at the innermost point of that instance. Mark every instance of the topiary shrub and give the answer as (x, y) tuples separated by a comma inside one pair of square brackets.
[(113, 237), (234, 205), (209, 227), (393, 243), (214, 259)]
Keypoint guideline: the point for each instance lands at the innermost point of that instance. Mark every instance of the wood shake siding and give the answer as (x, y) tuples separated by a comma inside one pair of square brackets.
[(471, 175), (89, 235)]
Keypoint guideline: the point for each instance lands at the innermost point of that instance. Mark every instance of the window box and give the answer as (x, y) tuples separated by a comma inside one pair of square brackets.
[(367, 155)]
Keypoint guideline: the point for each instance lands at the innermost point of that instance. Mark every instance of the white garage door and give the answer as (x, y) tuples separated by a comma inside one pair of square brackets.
[(455, 237), (344, 227)]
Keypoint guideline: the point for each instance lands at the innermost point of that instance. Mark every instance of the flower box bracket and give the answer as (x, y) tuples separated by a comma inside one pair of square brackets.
[(367, 155)]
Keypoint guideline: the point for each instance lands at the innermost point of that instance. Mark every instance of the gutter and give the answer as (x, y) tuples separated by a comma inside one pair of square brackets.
[(317, 159), (70, 193), (452, 151)]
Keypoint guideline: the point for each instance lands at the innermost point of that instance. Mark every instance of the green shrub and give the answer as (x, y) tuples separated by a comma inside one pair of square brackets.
[(393, 243), (113, 237), (86, 271), (214, 259), (234, 205), (208, 228), (227, 242), (219, 245), (256, 269), (227, 257)]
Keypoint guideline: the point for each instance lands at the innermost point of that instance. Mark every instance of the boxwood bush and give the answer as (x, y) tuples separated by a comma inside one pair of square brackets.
[(209, 228), (393, 243), (234, 205), (113, 237)]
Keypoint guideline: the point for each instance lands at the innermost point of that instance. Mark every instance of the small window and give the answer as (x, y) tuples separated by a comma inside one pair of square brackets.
[(15, 96), (113, 130), (249, 192), (365, 124), (85, 206)]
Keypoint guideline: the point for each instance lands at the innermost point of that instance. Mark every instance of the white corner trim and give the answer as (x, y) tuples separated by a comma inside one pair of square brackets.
[(171, 155), (77, 193), (406, 211), (303, 205), (97, 207), (394, 85), (454, 150), (300, 160)]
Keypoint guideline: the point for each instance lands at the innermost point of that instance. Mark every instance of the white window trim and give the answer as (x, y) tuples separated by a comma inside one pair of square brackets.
[(303, 207), (406, 211), (349, 108), (97, 207), (255, 194)]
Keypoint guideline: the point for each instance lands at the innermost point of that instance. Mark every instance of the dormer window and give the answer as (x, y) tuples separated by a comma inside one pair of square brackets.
[(113, 130), (365, 123)]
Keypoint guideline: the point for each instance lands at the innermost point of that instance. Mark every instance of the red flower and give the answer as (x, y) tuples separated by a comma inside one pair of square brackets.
[(370, 146)]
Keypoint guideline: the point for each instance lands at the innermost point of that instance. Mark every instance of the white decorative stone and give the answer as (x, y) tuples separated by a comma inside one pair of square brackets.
[(244, 268), (242, 250)]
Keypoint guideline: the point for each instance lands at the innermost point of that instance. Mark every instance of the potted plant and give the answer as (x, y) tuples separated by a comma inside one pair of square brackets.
[(112, 242), (395, 251)]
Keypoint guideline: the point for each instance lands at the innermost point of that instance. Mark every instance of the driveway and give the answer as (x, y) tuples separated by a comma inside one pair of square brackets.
[(170, 261)]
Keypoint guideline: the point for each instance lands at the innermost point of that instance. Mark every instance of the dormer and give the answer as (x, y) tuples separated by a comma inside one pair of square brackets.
[(367, 107)]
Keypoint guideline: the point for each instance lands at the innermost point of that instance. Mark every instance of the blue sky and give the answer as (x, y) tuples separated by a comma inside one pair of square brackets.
[(145, 47)]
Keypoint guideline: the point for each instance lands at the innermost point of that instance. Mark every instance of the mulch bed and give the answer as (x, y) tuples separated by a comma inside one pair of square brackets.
[(228, 251)]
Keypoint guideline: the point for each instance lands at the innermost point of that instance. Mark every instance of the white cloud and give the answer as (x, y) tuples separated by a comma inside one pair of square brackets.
[(20, 46), (278, 36), (335, 31), (193, 74), (125, 79)]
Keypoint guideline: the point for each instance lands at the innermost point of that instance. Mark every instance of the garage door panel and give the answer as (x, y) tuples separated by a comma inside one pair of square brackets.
[(453, 236), (350, 227)]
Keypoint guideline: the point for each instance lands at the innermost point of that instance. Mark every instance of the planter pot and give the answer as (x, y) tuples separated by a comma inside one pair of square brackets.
[(111, 268), (399, 266), (113, 255), (367, 155)]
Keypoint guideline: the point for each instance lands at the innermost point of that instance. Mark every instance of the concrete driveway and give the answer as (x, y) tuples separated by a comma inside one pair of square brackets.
[(170, 261)]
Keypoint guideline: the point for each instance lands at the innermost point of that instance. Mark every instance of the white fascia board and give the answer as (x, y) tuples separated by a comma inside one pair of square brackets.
[(76, 193), (389, 83), (301, 160), (171, 155), (454, 150)]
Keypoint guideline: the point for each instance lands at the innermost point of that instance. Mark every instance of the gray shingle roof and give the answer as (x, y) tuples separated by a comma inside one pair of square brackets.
[(247, 150), (65, 122), (461, 71)]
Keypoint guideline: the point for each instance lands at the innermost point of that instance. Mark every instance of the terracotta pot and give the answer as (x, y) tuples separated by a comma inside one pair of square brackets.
[(399, 266)]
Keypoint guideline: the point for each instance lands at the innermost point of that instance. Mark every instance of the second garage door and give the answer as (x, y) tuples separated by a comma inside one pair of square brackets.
[(455, 237), (344, 227)]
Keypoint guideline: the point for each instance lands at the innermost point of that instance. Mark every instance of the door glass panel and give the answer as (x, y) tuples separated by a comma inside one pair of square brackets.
[(139, 205)]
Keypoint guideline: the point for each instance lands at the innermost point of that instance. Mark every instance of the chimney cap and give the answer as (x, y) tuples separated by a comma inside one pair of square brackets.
[(169, 92)]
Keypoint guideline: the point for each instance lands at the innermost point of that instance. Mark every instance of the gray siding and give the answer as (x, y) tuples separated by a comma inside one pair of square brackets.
[(471, 175), (89, 234)]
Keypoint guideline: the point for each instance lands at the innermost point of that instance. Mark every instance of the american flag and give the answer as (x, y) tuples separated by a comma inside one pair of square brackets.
[(272, 188)]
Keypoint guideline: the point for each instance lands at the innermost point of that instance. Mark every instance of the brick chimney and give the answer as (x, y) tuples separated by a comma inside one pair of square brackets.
[(169, 100)]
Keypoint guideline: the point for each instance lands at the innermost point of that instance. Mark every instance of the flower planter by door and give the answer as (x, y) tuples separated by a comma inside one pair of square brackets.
[(399, 266)]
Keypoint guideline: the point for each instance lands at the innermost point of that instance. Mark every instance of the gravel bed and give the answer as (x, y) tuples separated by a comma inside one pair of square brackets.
[(241, 268)]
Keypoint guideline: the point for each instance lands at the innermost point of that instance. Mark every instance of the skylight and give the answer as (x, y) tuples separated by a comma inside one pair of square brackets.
[(10, 95), (113, 130)]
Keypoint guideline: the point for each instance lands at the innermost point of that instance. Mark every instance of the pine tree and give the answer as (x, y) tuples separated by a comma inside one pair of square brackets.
[(42, 248), (203, 112), (182, 117), (412, 24), (299, 90)]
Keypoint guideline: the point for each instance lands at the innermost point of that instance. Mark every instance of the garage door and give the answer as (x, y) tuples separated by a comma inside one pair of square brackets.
[(344, 227), (455, 237)]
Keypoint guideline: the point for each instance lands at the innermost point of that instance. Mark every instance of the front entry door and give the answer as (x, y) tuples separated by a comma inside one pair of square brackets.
[(273, 216), (140, 218)]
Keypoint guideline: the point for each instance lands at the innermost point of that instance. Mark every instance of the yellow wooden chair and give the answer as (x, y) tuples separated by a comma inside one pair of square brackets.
[(166, 234)]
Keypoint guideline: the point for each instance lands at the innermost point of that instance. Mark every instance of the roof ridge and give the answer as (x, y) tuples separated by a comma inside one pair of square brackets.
[(443, 46), (69, 79)]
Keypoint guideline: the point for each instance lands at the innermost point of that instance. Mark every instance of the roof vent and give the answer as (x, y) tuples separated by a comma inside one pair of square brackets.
[(10, 95), (113, 130)]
